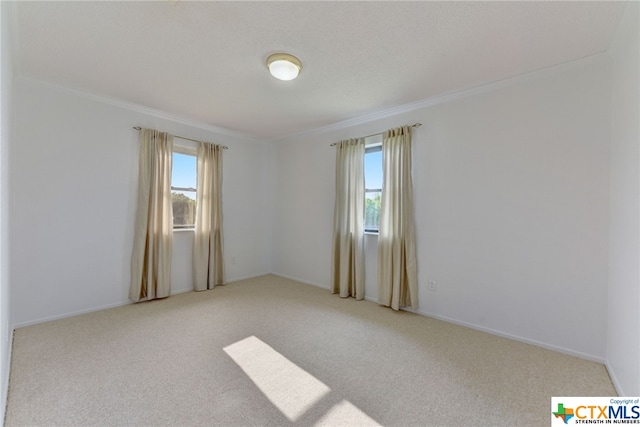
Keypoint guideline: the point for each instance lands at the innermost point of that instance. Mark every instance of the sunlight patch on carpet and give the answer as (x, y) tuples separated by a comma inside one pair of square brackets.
[(346, 413), (290, 388)]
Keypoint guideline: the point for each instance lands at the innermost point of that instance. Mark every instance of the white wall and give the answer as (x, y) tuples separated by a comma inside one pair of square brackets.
[(623, 334), (73, 183), (6, 78), (511, 190)]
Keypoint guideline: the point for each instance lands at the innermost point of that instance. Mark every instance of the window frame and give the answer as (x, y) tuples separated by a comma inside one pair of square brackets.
[(373, 144), (187, 151)]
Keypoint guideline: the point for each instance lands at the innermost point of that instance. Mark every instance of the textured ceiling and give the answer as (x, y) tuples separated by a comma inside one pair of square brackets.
[(205, 60)]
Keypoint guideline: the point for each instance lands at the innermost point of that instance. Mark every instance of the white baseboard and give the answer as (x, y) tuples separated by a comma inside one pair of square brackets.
[(5, 385), (105, 307), (252, 276), (180, 291), (552, 347), (69, 314), (502, 334), (614, 379), (317, 285)]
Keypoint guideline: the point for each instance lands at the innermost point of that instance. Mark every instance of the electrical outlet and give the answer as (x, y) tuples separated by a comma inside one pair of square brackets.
[(433, 285)]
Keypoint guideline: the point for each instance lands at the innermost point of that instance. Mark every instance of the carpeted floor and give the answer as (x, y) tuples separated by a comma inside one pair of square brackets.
[(270, 351)]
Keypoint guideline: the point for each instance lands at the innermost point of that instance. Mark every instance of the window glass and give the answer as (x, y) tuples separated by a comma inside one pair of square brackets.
[(183, 190), (373, 186)]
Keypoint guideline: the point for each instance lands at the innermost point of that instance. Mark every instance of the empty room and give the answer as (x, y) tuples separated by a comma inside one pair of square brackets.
[(319, 213)]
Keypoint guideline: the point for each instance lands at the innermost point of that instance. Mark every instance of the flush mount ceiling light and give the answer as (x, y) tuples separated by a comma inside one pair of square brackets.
[(284, 66)]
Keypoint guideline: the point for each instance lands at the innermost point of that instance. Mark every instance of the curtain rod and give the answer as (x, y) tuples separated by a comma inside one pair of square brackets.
[(415, 125), (182, 137)]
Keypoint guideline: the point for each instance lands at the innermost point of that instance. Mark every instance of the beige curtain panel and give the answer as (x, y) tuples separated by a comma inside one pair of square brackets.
[(208, 256), (397, 267), (153, 234), (347, 263)]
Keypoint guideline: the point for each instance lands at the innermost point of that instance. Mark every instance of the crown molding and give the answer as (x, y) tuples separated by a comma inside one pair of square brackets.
[(345, 124), (114, 102), (452, 96)]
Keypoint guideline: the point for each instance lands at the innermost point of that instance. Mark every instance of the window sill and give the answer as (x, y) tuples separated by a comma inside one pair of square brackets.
[(182, 230), (370, 233)]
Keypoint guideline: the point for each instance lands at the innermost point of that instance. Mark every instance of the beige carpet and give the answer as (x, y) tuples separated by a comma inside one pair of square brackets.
[(270, 351)]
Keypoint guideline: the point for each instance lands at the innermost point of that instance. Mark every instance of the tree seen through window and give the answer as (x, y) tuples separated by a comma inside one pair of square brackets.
[(183, 190), (373, 187)]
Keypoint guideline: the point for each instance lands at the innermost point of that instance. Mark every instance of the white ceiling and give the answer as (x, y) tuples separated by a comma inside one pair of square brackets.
[(205, 60)]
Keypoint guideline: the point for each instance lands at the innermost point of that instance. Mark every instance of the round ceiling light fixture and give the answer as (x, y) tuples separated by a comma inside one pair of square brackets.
[(283, 66)]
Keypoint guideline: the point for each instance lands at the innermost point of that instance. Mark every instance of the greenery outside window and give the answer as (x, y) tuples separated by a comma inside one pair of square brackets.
[(372, 183), (183, 188)]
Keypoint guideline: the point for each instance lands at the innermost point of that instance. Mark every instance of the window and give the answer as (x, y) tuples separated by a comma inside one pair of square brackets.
[(372, 183), (183, 188)]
